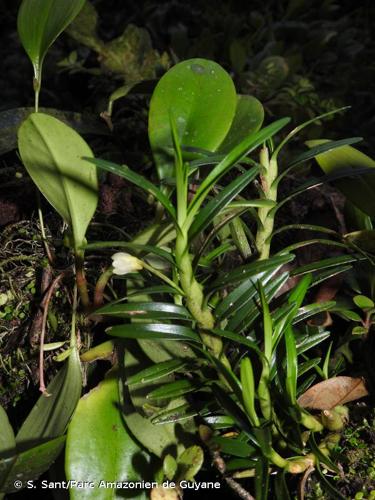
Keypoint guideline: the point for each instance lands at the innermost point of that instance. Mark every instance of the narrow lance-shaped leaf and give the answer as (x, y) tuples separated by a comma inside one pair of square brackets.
[(239, 152), (52, 154), (207, 214), (248, 390), (291, 365), (138, 180)]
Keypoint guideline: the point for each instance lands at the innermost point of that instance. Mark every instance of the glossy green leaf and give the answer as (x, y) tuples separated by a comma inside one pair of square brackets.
[(156, 371), (310, 341), (248, 390), (157, 439), (263, 270), (174, 414), (99, 446), (153, 331), (243, 272), (231, 408), (50, 415), (52, 154), (219, 202), (145, 310), (323, 148), (249, 310), (40, 22), (190, 462), (247, 120), (359, 191), (202, 98), (236, 155), (291, 365), (235, 337), (137, 180), (28, 464), (173, 389)]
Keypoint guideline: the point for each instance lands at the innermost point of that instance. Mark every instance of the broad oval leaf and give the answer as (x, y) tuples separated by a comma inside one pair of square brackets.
[(40, 22), (247, 120), (52, 154), (332, 392), (361, 190), (99, 446), (190, 462), (202, 98)]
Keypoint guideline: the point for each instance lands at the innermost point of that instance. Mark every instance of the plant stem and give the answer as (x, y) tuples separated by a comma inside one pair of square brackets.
[(195, 299), (36, 85), (266, 214), (81, 280), (100, 286)]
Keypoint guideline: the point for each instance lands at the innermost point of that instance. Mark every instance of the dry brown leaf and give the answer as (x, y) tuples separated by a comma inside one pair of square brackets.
[(332, 392)]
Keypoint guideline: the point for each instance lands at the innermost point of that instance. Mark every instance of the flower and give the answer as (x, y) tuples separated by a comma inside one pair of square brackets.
[(124, 263)]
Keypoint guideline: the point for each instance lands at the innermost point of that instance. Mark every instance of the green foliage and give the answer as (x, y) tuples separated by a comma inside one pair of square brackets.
[(52, 153), (97, 431), (225, 336), (201, 98), (360, 191), (39, 23)]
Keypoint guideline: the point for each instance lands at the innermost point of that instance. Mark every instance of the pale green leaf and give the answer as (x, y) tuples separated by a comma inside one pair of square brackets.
[(52, 154), (40, 22)]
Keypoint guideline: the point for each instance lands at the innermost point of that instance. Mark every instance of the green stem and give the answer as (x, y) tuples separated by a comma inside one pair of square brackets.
[(269, 186), (195, 299), (100, 286), (162, 276), (37, 84)]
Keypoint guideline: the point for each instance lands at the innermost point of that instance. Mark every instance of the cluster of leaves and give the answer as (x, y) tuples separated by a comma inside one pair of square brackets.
[(207, 355)]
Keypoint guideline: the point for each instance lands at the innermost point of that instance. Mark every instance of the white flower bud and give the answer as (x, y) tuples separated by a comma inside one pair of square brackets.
[(124, 263)]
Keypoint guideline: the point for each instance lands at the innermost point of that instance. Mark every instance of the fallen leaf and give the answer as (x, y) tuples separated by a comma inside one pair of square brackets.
[(332, 392)]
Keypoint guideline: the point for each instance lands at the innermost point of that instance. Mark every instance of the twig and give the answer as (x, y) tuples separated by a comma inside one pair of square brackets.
[(219, 463), (44, 305), (302, 484), (237, 488), (37, 322)]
